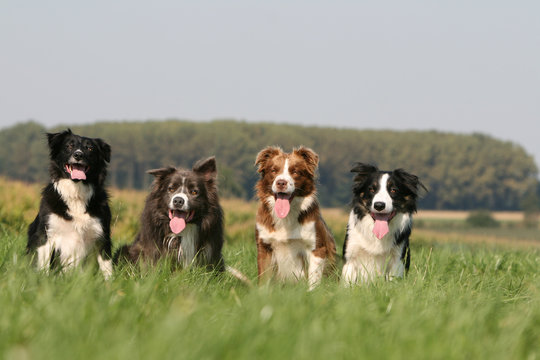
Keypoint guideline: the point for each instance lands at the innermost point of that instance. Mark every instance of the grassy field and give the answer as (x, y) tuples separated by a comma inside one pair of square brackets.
[(467, 295)]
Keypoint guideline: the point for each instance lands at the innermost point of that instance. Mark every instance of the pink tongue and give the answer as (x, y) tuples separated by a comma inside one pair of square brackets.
[(282, 206), (177, 223), (381, 228), (77, 174)]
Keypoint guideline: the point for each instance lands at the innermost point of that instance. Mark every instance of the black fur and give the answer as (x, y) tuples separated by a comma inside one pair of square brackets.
[(92, 155), (402, 187), (156, 239)]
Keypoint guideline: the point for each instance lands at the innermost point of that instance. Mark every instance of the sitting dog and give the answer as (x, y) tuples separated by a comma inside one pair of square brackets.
[(74, 216), (291, 236), (182, 217), (380, 222)]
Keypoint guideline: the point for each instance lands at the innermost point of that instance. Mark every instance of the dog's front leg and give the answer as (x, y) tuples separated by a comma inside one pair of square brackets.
[(44, 254), (104, 258), (315, 271)]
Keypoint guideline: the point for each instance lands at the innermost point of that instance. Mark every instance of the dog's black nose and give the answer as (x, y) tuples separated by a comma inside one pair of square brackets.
[(379, 205), (178, 201), (78, 155)]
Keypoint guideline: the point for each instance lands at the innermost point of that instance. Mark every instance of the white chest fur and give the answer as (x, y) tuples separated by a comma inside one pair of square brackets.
[(291, 241), (188, 245), (289, 228), (367, 256), (76, 237)]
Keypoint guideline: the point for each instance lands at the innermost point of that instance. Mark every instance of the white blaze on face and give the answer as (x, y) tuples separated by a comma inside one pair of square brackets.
[(283, 195), (383, 196), (285, 175), (178, 215), (180, 194)]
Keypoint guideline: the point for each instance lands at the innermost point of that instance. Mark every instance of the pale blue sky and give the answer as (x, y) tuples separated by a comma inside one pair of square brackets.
[(460, 66)]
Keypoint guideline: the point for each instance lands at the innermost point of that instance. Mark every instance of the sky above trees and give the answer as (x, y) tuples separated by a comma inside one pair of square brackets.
[(455, 66)]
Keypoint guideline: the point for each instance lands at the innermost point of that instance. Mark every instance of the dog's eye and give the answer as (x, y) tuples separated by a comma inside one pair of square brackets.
[(274, 170), (89, 148), (170, 189), (393, 190), (372, 190), (294, 172), (194, 192)]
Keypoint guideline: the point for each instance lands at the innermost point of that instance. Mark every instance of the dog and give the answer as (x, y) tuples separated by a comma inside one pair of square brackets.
[(74, 217), (182, 217), (291, 235), (380, 223)]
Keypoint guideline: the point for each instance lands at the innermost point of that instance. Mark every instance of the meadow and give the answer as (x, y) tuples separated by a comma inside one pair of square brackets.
[(470, 293)]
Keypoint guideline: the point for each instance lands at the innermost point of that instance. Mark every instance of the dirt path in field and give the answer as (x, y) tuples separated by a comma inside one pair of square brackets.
[(455, 237), (462, 215)]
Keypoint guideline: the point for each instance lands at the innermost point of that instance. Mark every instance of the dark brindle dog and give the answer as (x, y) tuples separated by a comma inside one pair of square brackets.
[(182, 217)]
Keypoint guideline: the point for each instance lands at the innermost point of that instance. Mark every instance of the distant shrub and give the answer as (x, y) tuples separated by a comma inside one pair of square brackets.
[(530, 219), (482, 218)]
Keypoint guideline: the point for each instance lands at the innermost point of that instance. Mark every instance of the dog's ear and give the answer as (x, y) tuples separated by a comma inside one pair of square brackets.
[(207, 168), (310, 156), (56, 140), (162, 173), (409, 181), (264, 155), (363, 171), (104, 149)]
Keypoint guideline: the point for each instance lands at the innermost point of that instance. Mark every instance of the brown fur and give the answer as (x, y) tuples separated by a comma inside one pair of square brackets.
[(155, 239), (303, 164)]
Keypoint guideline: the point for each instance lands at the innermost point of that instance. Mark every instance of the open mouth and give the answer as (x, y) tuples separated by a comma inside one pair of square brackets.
[(77, 171), (283, 204), (383, 217), (178, 220), (381, 228)]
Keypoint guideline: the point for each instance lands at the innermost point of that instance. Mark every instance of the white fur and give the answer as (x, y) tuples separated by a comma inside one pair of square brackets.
[(383, 196), (187, 250), (75, 238), (292, 242), (366, 256), (106, 267), (315, 272), (285, 175)]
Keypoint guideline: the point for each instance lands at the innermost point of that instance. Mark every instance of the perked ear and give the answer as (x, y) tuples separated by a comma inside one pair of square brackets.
[(312, 159), (104, 149), (206, 167), (162, 173), (55, 140), (264, 155)]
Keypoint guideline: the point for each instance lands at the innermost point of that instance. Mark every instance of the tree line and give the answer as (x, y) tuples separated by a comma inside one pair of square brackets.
[(461, 171)]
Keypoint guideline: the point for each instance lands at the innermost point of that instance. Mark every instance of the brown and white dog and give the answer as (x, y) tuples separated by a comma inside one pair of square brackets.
[(291, 235)]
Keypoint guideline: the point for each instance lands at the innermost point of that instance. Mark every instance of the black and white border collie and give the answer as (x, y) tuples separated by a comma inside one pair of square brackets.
[(74, 216), (380, 222), (182, 217)]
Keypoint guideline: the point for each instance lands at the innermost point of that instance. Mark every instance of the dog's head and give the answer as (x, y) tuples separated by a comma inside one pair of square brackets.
[(185, 195), (383, 194), (286, 175), (78, 158)]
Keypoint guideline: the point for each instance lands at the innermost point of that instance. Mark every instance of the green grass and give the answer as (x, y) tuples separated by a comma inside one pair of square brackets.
[(458, 301)]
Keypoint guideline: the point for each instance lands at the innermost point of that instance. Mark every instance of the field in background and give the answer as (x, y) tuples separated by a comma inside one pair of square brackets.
[(471, 292), (19, 203)]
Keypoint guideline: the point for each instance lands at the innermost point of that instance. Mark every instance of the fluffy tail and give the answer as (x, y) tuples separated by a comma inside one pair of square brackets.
[(238, 274)]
